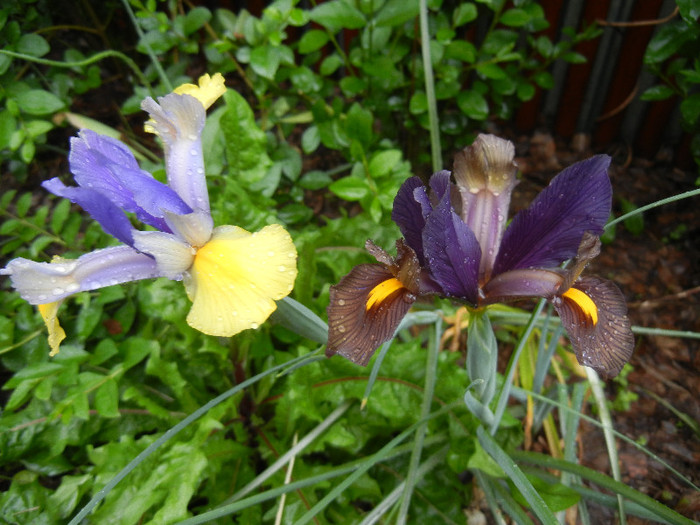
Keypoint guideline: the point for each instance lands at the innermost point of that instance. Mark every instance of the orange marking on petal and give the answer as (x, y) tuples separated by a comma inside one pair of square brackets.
[(383, 290), (584, 302)]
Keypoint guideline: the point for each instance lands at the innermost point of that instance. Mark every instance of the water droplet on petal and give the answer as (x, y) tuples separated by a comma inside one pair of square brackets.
[(341, 302), (254, 325)]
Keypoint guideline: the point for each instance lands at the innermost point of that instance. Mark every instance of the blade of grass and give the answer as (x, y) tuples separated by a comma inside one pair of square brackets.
[(435, 147), (606, 422), (298, 485), (294, 451), (661, 512), (430, 378), (172, 432), (661, 202), (505, 461), (368, 463)]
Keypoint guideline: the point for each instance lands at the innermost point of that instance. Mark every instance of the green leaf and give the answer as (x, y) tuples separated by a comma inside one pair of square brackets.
[(59, 215), (557, 496), (658, 92), (8, 124), (667, 41), (690, 10), (473, 104), (690, 109), (107, 399), (310, 139), (418, 103), (38, 102), (396, 12), (158, 42), (336, 15), (330, 64), (313, 40), (384, 162), (265, 61), (466, 12), (350, 188), (196, 18), (544, 79), (246, 143), (492, 71), (34, 45), (358, 125), (295, 213), (38, 127), (315, 180), (515, 17), (461, 50)]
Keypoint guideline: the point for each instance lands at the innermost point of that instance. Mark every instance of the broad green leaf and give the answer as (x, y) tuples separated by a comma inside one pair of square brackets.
[(157, 42), (336, 15), (396, 12), (384, 162), (464, 13), (358, 124), (107, 399), (8, 124), (38, 127), (196, 18), (315, 180), (350, 188), (418, 103), (690, 10), (515, 17), (38, 102), (310, 139), (492, 71), (313, 40), (473, 104), (32, 44), (246, 144), (667, 41), (265, 61), (690, 109)]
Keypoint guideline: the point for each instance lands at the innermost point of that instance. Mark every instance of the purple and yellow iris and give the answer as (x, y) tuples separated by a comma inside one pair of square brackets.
[(456, 244), (232, 276)]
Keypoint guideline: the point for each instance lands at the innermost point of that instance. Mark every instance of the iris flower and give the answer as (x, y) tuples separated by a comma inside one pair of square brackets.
[(233, 277), (456, 244)]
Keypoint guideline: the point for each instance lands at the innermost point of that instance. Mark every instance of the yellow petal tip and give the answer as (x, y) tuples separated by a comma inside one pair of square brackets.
[(208, 91)]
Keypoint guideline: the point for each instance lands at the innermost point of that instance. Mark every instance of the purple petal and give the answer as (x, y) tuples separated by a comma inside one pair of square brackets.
[(41, 283), (408, 214), (452, 252), (550, 230), (100, 208), (107, 166)]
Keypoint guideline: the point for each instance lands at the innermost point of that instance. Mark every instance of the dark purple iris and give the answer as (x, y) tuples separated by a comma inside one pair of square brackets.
[(458, 234)]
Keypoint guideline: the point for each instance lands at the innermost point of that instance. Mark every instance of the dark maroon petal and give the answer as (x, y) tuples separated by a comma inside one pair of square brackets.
[(357, 324), (605, 343), (550, 230), (408, 213), (452, 252), (100, 208)]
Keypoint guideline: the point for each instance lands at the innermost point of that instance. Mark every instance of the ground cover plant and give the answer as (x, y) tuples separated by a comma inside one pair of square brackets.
[(153, 402)]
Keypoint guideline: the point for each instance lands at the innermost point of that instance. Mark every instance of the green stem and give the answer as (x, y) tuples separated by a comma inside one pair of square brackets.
[(691, 193), (80, 63), (435, 147), (154, 59)]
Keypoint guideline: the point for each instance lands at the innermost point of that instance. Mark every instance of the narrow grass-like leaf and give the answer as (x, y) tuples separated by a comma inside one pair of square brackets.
[(537, 504), (662, 512), (610, 444), (430, 378), (172, 432)]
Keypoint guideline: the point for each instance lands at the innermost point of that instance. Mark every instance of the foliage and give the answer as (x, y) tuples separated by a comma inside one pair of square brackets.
[(328, 117), (672, 57)]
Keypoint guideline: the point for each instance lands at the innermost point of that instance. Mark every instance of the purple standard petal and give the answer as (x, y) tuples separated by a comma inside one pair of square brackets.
[(407, 213), (452, 252), (100, 208), (107, 166), (549, 231), (41, 283)]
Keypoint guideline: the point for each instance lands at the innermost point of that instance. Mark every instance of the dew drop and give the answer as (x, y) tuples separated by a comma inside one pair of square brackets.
[(341, 329), (254, 325), (58, 291), (270, 253), (282, 268), (73, 287), (341, 302), (193, 152)]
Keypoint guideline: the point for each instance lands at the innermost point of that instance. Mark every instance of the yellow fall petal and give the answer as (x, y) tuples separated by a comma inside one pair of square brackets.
[(237, 276), (210, 88), (49, 313)]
